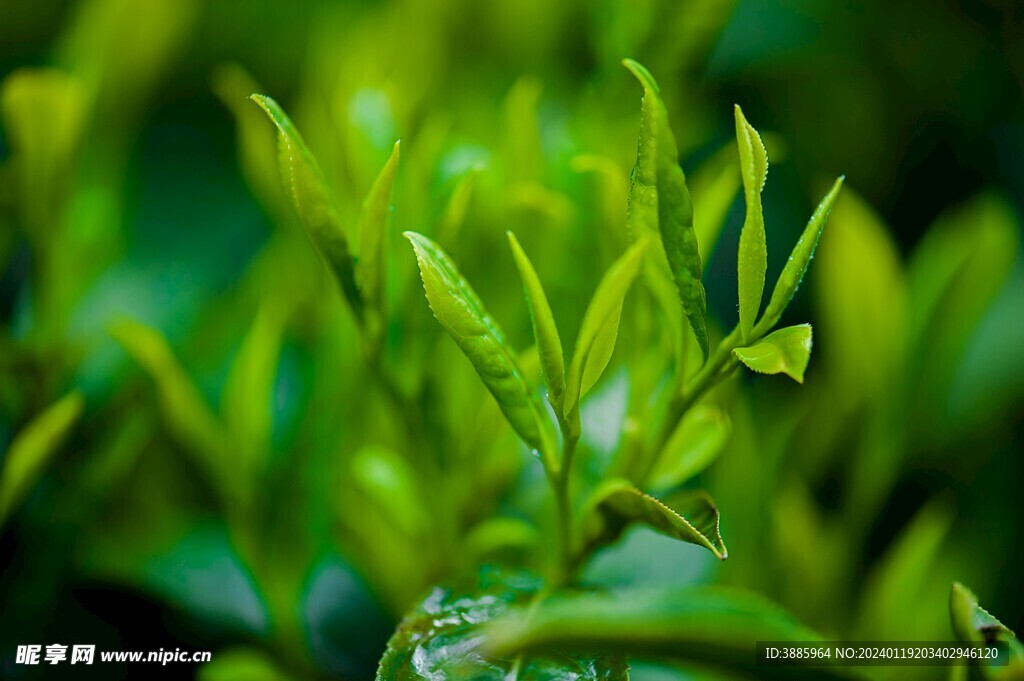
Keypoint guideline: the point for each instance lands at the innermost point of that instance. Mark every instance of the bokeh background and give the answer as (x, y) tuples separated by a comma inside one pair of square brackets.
[(140, 208)]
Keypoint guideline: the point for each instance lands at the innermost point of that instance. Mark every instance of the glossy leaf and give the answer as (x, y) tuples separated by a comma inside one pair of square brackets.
[(462, 314), (973, 624), (659, 201), (753, 250), (786, 351), (32, 449), (691, 517), (706, 625), (373, 228), (600, 327), (799, 260), (311, 199), (549, 345), (695, 444), (441, 639)]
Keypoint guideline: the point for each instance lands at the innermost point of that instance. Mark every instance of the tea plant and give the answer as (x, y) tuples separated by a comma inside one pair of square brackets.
[(664, 251)]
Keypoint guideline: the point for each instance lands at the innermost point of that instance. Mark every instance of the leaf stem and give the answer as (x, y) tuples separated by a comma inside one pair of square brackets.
[(560, 480)]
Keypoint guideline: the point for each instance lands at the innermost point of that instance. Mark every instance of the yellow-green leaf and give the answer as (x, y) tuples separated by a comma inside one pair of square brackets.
[(659, 201), (600, 327), (785, 351), (308, 190), (549, 345), (690, 516), (695, 444), (799, 260), (373, 229), (462, 314), (32, 449), (973, 624), (753, 250)]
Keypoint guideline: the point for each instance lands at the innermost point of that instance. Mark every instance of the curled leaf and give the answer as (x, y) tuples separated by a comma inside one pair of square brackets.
[(600, 327), (786, 351), (462, 314), (549, 345), (692, 516), (753, 250), (305, 184), (659, 201)]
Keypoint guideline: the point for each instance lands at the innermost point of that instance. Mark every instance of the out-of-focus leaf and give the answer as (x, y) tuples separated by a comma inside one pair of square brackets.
[(695, 444), (600, 327), (311, 199), (441, 639), (973, 624), (753, 251), (659, 196), (690, 516), (462, 314), (247, 401), (524, 160), (454, 214), (861, 295), (257, 144), (32, 448), (549, 345), (613, 190), (242, 664), (890, 603), (43, 112), (786, 351), (499, 536), (186, 413), (799, 260), (386, 478), (709, 626), (714, 187), (373, 229)]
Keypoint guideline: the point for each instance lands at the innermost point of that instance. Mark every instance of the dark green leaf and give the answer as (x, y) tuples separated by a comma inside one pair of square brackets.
[(462, 314), (308, 190), (753, 251), (600, 327), (32, 448), (799, 260), (549, 345), (441, 639), (786, 351), (659, 201), (690, 516), (711, 626)]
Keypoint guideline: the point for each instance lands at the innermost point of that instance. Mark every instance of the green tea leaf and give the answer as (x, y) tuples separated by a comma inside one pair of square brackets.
[(600, 327), (799, 260), (389, 482), (308, 190), (973, 624), (373, 228), (695, 444), (786, 351), (706, 625), (247, 401), (692, 516), (454, 214), (33, 448), (660, 201), (440, 640), (188, 417), (753, 251), (549, 345), (462, 314)]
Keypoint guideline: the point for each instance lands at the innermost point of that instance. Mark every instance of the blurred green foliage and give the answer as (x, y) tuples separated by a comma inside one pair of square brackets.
[(202, 444)]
